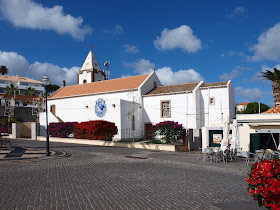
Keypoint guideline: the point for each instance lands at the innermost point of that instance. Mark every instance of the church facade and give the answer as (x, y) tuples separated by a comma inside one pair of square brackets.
[(136, 103)]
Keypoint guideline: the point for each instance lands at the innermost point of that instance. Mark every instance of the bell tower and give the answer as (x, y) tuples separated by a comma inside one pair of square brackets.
[(91, 70)]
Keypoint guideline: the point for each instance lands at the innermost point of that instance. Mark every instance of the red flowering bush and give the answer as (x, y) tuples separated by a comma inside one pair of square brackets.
[(95, 130), (169, 129), (4, 129), (264, 183), (61, 129)]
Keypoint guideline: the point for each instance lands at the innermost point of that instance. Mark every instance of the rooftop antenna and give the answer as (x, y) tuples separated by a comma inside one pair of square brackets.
[(107, 64)]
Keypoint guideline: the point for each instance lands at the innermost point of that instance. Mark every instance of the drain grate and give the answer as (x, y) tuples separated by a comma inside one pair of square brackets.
[(136, 157)]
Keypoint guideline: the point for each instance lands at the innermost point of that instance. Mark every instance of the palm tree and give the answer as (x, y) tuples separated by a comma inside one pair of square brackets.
[(10, 89), (29, 91), (275, 77), (4, 70)]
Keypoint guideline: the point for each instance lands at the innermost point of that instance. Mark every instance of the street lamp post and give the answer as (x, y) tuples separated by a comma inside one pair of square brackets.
[(46, 81)]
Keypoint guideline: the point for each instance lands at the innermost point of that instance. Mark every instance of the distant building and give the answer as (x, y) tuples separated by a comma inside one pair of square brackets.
[(22, 83), (23, 107), (241, 107), (20, 100)]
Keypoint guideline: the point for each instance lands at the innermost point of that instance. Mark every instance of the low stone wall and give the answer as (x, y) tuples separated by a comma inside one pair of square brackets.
[(138, 145)]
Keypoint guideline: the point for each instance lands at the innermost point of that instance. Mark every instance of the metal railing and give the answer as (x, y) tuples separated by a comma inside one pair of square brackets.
[(131, 135)]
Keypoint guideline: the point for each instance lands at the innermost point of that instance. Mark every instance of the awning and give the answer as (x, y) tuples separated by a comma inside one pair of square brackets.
[(263, 124)]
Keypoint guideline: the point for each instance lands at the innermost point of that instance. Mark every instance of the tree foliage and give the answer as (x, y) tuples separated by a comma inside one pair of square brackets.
[(270, 75), (253, 108), (10, 89), (4, 70), (51, 88), (29, 91)]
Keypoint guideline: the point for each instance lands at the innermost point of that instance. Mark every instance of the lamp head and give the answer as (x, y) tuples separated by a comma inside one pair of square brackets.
[(46, 80)]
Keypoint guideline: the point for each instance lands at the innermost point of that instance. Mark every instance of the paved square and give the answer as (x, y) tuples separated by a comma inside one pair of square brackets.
[(96, 177)]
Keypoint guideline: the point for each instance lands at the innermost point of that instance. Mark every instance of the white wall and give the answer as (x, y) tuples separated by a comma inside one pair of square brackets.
[(81, 109), (151, 108), (88, 77), (148, 84), (191, 109), (82, 78), (215, 113)]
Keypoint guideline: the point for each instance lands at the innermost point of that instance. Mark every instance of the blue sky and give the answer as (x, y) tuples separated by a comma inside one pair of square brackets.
[(186, 41)]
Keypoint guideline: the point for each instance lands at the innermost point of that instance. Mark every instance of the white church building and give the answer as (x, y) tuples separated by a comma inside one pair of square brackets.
[(136, 103)]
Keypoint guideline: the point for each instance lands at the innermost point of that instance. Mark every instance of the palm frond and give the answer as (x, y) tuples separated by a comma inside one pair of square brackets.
[(269, 75)]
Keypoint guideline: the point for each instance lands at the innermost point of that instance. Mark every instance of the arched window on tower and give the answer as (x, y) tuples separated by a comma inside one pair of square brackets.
[(85, 81)]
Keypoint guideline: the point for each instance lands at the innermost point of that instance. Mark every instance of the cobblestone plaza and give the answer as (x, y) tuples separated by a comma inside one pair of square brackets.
[(97, 177)]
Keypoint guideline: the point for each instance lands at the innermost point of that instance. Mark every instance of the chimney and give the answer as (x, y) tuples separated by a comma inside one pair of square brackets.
[(64, 83)]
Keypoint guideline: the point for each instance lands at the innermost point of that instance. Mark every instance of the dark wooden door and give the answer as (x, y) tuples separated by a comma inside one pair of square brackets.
[(53, 109), (149, 131)]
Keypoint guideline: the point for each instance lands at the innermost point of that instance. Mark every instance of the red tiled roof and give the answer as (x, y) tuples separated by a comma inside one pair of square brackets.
[(214, 85), (275, 109), (187, 87), (100, 86), (243, 103), (17, 78)]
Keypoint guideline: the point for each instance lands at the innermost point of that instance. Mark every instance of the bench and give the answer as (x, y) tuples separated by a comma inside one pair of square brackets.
[(5, 142)]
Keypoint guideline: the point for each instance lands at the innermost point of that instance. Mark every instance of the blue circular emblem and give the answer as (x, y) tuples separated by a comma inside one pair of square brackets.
[(100, 107)]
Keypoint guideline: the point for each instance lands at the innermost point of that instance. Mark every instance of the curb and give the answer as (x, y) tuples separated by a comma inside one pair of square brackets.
[(53, 155)]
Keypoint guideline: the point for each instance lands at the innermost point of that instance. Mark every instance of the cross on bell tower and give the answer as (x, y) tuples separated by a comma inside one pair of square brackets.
[(90, 46)]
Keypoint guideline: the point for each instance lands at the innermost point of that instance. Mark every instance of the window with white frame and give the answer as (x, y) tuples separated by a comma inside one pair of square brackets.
[(165, 109), (212, 100)]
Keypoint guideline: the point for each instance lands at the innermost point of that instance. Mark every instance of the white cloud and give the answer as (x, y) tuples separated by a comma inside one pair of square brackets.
[(168, 77), (117, 30), (235, 53), (258, 75), (55, 73), (229, 76), (268, 46), (265, 67), (243, 68), (141, 66), (165, 74), (17, 64), (236, 11), (130, 49), (181, 37), (28, 14), (255, 94)]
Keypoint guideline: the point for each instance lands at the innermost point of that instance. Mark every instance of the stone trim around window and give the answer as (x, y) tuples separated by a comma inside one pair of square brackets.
[(165, 108)]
